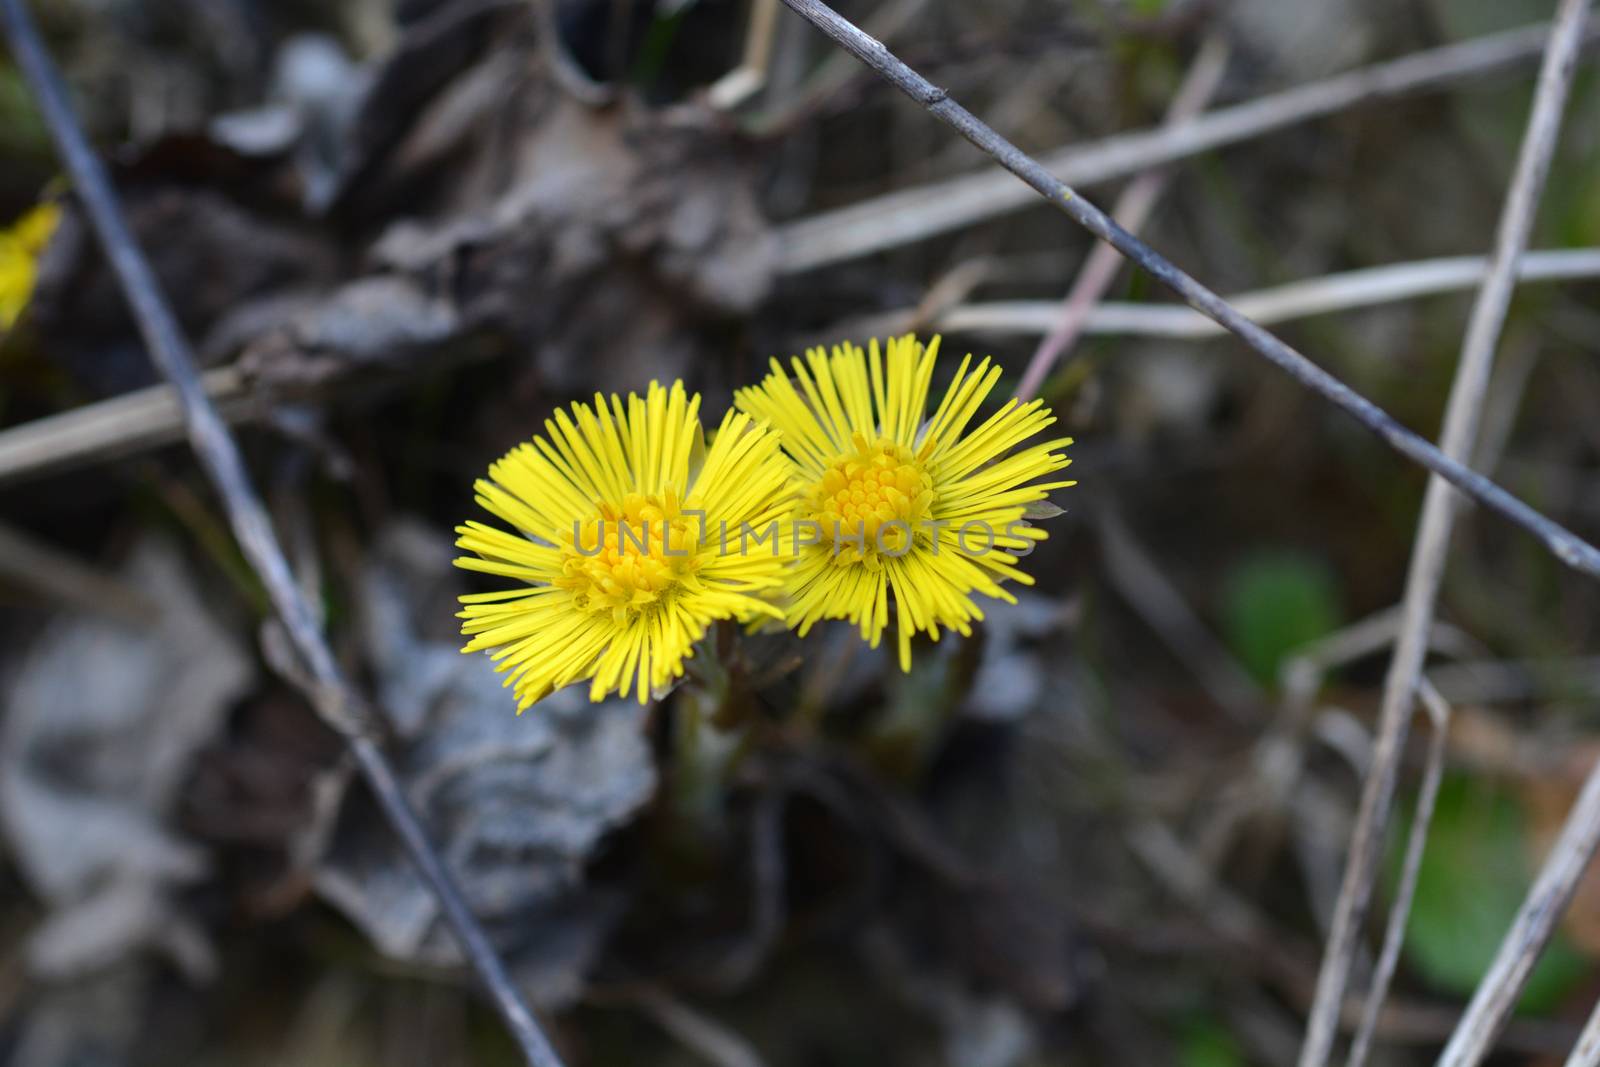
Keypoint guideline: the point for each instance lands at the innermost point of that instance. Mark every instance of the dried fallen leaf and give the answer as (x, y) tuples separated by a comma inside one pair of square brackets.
[(105, 720), (518, 804)]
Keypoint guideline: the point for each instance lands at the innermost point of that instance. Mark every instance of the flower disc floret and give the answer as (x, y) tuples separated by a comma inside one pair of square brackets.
[(871, 501), (632, 559)]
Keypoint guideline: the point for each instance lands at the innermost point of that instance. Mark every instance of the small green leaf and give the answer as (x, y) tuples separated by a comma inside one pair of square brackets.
[(1475, 871), (1042, 509), (1208, 1044), (1275, 603)]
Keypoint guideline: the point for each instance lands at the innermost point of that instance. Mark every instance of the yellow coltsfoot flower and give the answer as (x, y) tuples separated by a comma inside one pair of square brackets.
[(20, 248), (628, 543), (895, 508)]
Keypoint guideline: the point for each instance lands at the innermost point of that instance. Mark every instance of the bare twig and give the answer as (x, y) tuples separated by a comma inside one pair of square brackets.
[(1400, 911), (750, 76), (1507, 388), (909, 215), (1564, 544), (1191, 882), (1438, 516), (1344, 291), (45, 569), (1552, 891), (1304, 671), (1586, 1053), (767, 906), (1275, 764), (835, 72), (150, 417), (335, 699), (1512, 681), (1412, 1023), (712, 1041), (132, 422), (1132, 210)]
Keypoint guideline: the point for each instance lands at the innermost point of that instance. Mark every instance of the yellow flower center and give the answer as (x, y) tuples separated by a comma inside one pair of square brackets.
[(631, 558), (874, 499)]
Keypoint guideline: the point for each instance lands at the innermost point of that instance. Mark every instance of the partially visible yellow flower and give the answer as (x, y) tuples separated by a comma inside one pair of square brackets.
[(628, 545), (20, 248), (919, 512)]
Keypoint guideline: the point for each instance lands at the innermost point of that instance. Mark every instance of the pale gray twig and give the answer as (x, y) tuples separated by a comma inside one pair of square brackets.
[(118, 426), (1562, 543), (1586, 1053), (1400, 910), (1132, 210), (45, 569), (1191, 882), (703, 1035), (1506, 389), (899, 218), (335, 699), (150, 417), (750, 76), (1541, 910), (1514, 681), (1433, 535), (835, 72), (1344, 291), (1279, 754)]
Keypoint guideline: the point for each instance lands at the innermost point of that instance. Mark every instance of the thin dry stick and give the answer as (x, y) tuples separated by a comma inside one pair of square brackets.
[(886, 21), (1344, 291), (34, 565), (1516, 681), (1565, 545), (1132, 210), (750, 76), (1280, 752), (1506, 389), (118, 426), (1586, 1053), (1552, 891), (150, 417), (1400, 911), (909, 215), (714, 1042), (1438, 515), (330, 692), (1190, 881)]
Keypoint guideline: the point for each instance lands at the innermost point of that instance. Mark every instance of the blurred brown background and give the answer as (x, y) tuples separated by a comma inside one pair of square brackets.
[(1107, 829)]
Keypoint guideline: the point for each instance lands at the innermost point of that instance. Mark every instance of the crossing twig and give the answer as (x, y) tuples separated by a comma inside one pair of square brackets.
[(1394, 934), (1433, 532), (332, 694), (1565, 545), (906, 215), (1132, 209)]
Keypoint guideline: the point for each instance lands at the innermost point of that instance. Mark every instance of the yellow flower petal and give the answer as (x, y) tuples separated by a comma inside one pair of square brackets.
[(627, 528), (20, 248), (921, 512)]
